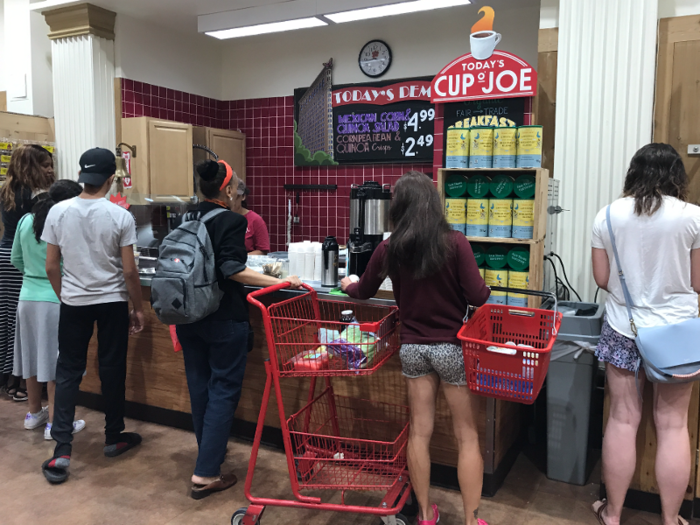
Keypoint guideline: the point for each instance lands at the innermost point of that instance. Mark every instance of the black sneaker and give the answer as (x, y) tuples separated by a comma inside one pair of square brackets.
[(120, 444)]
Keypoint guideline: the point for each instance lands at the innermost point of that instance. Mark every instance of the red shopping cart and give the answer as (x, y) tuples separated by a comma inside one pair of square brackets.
[(334, 443), (507, 349)]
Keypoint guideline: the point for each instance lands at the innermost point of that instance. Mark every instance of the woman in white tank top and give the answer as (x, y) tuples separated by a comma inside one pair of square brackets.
[(658, 238)]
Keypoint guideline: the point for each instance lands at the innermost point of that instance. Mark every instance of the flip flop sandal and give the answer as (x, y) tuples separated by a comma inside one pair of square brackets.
[(225, 481), (54, 475), (598, 507)]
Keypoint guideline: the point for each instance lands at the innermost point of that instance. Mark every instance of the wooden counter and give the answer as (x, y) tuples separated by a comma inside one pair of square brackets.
[(156, 390)]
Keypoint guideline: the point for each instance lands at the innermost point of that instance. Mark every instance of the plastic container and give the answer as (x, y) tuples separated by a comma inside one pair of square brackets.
[(529, 147), (477, 217), (478, 186), (457, 149), (504, 148), (456, 214), (481, 147), (501, 218), (523, 218)]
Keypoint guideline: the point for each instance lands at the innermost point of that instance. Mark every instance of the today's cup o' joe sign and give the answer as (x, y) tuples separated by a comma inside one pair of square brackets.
[(501, 75)]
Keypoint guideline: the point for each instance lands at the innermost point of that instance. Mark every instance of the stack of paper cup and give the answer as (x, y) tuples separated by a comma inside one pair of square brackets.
[(318, 261), (309, 256), (295, 268)]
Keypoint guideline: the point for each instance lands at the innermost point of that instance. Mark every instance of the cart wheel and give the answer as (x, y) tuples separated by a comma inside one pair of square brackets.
[(237, 518), (400, 520)]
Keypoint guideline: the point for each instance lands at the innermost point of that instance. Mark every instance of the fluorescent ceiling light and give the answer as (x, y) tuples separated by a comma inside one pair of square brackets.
[(394, 9), (261, 29)]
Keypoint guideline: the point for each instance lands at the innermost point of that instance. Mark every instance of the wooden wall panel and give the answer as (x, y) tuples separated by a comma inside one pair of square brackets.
[(3, 100), (544, 107), (26, 127)]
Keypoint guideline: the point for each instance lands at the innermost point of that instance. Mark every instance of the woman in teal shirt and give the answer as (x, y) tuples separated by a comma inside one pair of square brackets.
[(36, 335)]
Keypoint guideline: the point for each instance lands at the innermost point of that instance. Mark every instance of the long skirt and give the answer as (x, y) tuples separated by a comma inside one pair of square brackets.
[(10, 286)]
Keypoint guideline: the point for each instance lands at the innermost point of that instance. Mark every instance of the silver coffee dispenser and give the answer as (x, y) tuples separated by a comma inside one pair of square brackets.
[(369, 220), (331, 256)]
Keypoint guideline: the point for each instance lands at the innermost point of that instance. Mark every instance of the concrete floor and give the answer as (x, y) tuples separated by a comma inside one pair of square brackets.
[(150, 485)]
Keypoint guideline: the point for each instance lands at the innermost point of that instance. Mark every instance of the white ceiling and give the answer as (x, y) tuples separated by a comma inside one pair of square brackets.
[(180, 15)]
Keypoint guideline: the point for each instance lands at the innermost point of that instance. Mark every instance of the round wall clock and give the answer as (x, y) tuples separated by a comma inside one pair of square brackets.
[(375, 58)]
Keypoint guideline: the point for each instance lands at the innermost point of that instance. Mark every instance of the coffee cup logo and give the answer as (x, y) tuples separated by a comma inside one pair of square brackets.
[(483, 38)]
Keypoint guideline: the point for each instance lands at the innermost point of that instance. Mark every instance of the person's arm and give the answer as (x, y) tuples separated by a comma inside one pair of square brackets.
[(133, 287), (471, 283), (53, 267), (257, 252), (371, 280), (253, 278), (232, 257), (17, 257), (601, 267)]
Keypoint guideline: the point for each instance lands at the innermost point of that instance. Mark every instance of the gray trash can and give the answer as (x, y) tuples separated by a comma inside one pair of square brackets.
[(570, 383)]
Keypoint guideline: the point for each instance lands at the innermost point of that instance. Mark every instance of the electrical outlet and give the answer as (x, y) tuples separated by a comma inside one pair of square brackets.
[(296, 219)]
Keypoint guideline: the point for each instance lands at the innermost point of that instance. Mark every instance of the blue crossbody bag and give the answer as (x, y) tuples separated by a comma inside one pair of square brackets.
[(670, 353)]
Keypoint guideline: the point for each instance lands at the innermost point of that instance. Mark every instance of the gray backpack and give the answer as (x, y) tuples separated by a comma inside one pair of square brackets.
[(185, 287)]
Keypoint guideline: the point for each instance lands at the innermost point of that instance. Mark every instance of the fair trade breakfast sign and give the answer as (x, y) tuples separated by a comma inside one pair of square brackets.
[(485, 73)]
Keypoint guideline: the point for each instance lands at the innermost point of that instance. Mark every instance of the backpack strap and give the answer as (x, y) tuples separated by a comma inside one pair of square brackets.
[(197, 216)]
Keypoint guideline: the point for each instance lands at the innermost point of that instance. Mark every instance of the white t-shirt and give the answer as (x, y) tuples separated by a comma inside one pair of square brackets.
[(90, 234), (655, 256)]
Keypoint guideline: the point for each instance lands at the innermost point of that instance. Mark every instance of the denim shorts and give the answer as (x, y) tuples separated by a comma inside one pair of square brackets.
[(445, 359)]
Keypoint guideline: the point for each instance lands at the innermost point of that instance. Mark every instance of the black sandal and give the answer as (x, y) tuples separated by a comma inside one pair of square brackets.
[(20, 394)]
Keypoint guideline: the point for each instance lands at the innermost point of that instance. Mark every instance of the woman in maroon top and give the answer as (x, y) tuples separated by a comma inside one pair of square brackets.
[(257, 239), (435, 278)]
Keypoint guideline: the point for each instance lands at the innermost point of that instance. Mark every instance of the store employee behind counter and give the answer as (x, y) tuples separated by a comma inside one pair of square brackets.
[(215, 348), (435, 278), (257, 239)]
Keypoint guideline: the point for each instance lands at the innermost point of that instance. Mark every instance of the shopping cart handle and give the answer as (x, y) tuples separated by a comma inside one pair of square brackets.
[(276, 288)]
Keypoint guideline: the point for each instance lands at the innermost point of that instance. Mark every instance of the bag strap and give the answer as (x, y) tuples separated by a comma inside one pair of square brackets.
[(203, 218), (623, 282)]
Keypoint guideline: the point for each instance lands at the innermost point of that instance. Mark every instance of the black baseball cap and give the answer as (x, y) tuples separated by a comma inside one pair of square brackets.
[(96, 166)]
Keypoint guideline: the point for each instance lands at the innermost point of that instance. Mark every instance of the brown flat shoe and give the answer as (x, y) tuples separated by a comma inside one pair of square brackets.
[(225, 481)]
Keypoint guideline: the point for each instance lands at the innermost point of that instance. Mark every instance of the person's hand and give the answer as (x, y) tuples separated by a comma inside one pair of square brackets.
[(294, 282), (345, 282), (136, 322)]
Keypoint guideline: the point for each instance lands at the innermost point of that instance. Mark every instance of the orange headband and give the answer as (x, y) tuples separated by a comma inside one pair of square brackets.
[(229, 175)]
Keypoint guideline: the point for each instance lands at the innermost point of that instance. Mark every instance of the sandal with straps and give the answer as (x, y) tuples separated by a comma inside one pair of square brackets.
[(598, 507)]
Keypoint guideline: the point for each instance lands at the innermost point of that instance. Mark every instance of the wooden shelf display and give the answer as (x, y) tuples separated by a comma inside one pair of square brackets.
[(534, 245)]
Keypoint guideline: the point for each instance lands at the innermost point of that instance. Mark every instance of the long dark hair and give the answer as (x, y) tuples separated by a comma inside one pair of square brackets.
[(59, 191), (420, 240), (25, 173), (656, 171)]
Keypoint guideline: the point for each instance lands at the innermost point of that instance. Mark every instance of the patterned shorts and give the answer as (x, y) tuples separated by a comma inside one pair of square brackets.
[(616, 349), (445, 359)]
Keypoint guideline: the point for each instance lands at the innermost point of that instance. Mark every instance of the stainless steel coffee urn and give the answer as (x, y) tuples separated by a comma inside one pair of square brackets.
[(331, 255), (369, 220)]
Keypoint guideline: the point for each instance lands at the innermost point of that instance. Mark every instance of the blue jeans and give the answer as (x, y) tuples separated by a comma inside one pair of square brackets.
[(215, 355)]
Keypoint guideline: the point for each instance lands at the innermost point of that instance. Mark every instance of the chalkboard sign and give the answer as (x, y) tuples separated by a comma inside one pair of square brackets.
[(508, 111), (399, 132)]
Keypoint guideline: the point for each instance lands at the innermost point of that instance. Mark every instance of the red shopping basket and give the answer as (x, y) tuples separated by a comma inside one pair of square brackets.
[(506, 349)]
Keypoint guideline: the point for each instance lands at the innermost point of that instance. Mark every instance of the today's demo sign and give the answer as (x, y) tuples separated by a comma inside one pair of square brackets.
[(383, 123)]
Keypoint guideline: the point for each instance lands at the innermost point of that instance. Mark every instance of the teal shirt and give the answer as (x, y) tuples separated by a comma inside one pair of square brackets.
[(29, 257)]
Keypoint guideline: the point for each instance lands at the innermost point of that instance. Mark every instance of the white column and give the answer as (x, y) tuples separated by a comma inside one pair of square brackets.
[(83, 79), (605, 96)]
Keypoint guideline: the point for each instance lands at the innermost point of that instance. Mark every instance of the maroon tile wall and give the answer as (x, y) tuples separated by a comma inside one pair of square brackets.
[(269, 127)]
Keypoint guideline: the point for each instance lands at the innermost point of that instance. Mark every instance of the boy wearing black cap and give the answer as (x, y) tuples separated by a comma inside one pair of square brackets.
[(95, 239)]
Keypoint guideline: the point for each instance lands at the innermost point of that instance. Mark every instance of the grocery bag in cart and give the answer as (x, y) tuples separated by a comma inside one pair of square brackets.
[(507, 349)]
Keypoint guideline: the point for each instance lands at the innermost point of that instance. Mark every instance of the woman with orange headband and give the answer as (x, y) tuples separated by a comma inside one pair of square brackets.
[(215, 349)]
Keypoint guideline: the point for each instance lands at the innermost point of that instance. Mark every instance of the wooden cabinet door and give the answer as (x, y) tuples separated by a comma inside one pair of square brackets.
[(678, 92), (170, 155), (229, 146)]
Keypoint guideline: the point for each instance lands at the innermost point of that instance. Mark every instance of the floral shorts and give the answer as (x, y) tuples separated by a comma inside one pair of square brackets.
[(445, 359), (617, 349)]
